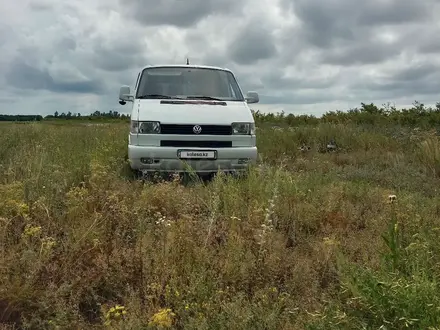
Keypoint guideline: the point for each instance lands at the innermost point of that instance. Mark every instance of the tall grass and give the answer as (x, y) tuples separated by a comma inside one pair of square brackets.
[(308, 239)]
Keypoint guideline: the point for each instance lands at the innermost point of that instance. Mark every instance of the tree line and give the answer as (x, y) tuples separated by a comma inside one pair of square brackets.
[(417, 115), (94, 115), (368, 114), (66, 116)]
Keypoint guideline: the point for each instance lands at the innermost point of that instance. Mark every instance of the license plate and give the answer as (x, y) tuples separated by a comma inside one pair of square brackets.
[(196, 154)]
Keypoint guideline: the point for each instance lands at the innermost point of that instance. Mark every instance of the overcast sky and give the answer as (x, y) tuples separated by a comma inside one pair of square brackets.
[(305, 56)]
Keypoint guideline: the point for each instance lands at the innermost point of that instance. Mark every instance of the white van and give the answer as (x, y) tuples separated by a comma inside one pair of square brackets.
[(189, 117)]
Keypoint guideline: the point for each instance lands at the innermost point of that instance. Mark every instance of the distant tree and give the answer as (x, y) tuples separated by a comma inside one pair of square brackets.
[(418, 108), (370, 108)]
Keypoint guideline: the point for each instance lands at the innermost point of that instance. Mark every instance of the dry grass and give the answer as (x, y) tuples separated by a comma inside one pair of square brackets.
[(306, 240)]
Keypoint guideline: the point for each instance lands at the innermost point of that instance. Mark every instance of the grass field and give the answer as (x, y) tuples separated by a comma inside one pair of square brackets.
[(308, 240)]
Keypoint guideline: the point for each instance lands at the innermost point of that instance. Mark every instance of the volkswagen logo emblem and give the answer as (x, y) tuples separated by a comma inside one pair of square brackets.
[(197, 129)]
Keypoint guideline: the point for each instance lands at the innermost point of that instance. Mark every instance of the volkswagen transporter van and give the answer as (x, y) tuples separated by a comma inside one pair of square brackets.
[(189, 118)]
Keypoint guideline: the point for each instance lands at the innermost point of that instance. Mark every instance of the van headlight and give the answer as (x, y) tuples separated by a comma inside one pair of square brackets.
[(145, 127), (243, 128)]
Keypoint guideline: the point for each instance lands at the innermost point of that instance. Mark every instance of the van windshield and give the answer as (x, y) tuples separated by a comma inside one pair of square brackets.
[(188, 82)]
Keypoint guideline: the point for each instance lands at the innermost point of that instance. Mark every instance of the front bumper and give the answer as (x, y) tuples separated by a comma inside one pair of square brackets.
[(165, 159)]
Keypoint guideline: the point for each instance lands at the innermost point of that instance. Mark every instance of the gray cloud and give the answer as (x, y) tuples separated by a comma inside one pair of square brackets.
[(39, 5), (416, 73), (7, 99), (24, 76), (378, 12), (181, 13), (401, 89), (431, 48), (362, 53), (119, 55), (252, 44), (325, 22), (425, 38), (336, 22), (67, 43), (421, 79), (295, 53), (277, 80)]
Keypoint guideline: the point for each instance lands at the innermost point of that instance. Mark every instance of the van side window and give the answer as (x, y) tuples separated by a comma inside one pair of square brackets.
[(233, 85), (137, 81)]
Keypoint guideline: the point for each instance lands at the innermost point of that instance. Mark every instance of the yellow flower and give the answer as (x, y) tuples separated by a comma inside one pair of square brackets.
[(48, 243), (31, 231), (115, 314), (163, 318), (23, 208), (330, 241)]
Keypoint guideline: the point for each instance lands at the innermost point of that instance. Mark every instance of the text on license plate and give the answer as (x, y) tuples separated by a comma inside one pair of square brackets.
[(197, 154)]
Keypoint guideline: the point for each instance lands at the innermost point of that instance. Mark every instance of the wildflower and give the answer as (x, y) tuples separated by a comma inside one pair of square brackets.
[(163, 318), (330, 241), (47, 243), (31, 231), (392, 198), (215, 205), (23, 208), (115, 313), (162, 220), (268, 224)]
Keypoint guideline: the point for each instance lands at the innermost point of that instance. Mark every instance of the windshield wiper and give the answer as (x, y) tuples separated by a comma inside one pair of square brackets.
[(202, 97), (157, 96)]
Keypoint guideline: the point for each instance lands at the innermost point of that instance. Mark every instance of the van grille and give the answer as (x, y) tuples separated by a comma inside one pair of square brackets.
[(188, 129), (196, 144)]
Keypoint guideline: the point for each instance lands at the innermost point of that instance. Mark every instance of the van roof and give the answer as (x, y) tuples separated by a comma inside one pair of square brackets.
[(185, 66)]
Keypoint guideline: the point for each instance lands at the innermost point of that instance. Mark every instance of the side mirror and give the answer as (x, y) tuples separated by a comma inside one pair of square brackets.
[(124, 95), (252, 97)]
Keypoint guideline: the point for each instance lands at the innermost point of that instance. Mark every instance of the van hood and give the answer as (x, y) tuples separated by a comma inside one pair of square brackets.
[(191, 111)]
